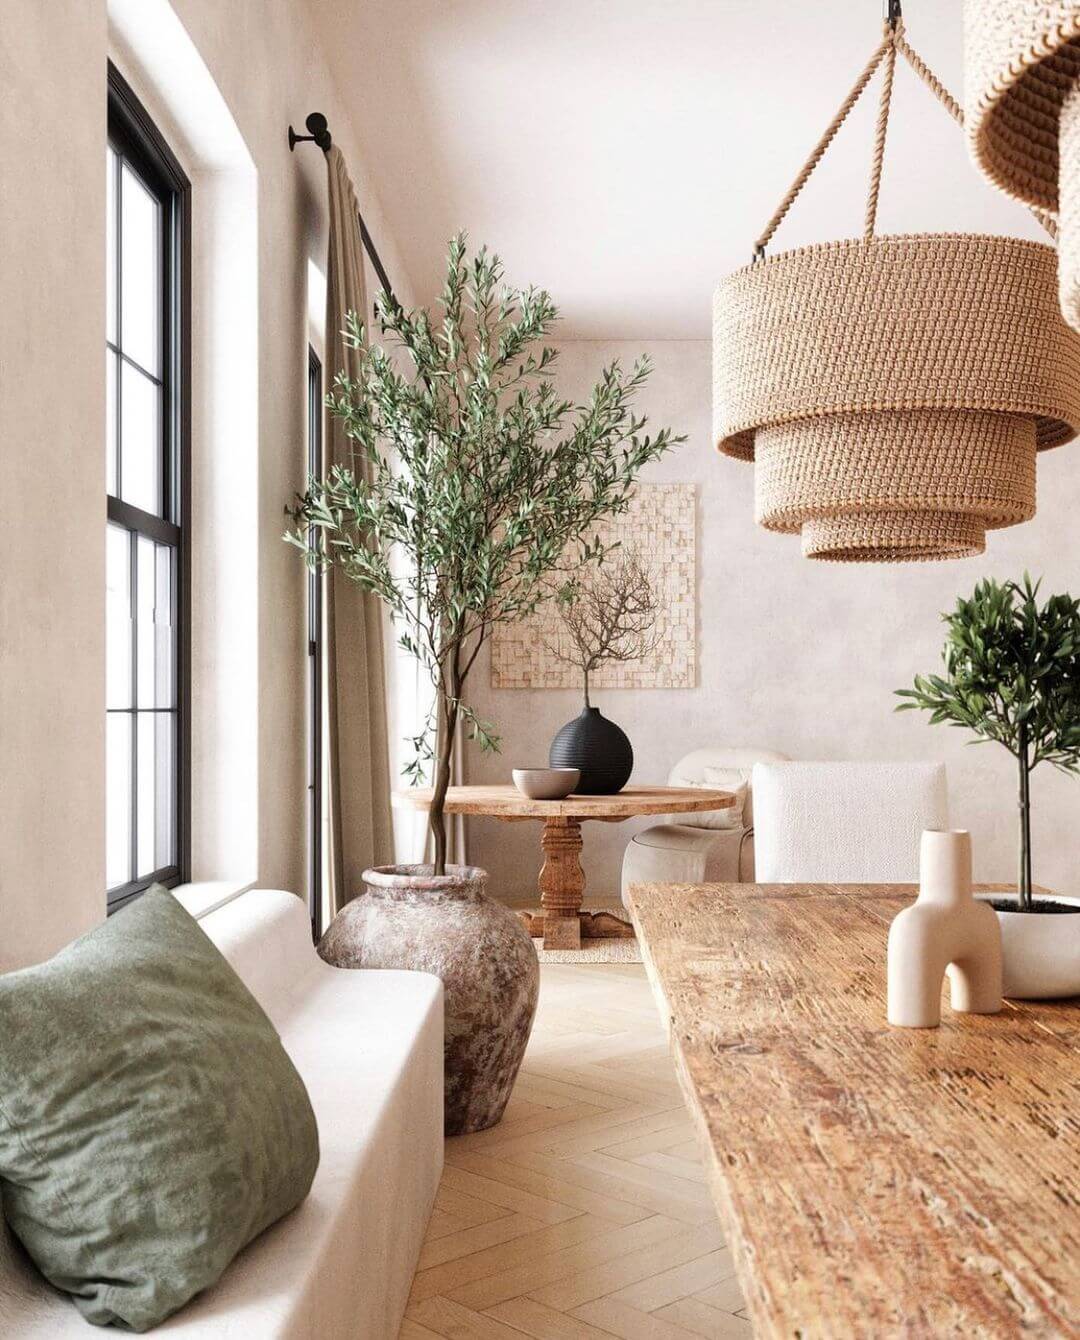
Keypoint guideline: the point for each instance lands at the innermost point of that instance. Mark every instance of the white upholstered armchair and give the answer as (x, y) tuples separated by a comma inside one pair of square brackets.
[(701, 848)]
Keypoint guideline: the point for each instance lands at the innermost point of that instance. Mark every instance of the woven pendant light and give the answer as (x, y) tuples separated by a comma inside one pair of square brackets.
[(1022, 105), (893, 391)]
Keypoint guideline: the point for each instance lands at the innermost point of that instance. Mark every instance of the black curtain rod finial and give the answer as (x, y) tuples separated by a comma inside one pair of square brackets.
[(317, 131)]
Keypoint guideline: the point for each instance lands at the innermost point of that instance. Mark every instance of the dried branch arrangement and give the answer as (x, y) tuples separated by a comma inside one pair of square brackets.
[(609, 614)]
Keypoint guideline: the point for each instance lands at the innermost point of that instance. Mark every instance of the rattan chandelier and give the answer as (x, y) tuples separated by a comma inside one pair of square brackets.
[(893, 391), (1022, 104)]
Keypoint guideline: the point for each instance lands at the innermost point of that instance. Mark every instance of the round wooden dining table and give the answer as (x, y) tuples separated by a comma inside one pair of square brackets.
[(560, 919)]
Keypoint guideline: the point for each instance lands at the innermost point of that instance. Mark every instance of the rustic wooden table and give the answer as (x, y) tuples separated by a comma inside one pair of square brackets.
[(561, 879), (873, 1181)]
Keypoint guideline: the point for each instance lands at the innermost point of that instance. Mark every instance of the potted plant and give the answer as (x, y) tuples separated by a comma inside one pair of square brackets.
[(1012, 676), (475, 480), (608, 614)]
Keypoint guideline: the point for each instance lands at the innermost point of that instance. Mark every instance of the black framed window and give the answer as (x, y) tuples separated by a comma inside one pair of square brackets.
[(147, 485), (316, 580)]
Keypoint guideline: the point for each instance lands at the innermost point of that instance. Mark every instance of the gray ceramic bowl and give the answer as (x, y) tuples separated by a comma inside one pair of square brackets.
[(546, 783)]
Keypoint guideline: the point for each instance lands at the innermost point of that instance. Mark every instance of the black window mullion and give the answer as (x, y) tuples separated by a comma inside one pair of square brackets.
[(118, 214), (146, 523)]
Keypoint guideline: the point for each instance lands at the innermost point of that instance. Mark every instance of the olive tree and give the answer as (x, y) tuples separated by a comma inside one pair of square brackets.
[(473, 480)]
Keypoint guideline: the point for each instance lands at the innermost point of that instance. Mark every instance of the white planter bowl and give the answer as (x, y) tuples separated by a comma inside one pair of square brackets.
[(1041, 952), (546, 783)]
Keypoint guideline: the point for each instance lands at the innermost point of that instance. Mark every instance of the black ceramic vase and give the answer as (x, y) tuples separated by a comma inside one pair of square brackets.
[(599, 748)]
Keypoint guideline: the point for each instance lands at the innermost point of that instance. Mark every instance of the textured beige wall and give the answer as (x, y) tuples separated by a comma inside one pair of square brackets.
[(52, 429), (264, 58), (793, 655)]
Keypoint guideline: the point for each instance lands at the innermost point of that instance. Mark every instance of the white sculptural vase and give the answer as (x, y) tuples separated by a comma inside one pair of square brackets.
[(944, 930)]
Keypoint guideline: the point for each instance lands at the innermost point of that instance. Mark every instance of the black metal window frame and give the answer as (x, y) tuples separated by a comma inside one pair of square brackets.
[(316, 799), (134, 136)]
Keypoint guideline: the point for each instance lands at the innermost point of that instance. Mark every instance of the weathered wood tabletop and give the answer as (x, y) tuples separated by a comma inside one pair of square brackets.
[(874, 1182), (560, 919)]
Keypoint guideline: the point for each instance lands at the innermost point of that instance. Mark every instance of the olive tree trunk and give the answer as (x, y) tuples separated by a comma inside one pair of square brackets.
[(1023, 879), (449, 698)]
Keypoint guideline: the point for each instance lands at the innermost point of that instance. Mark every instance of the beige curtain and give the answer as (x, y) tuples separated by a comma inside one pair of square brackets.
[(361, 832)]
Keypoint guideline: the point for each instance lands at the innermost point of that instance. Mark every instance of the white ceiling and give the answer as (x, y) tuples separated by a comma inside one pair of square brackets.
[(625, 153)]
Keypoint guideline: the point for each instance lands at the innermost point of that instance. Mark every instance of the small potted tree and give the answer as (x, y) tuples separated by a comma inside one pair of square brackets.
[(1012, 676), (475, 483)]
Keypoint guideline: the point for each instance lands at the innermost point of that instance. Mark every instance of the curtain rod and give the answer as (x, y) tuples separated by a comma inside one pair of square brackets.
[(319, 134)]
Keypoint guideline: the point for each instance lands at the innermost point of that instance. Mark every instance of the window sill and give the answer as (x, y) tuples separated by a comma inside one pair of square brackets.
[(207, 895)]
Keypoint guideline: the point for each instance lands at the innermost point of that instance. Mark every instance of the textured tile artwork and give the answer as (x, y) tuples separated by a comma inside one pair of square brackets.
[(660, 524)]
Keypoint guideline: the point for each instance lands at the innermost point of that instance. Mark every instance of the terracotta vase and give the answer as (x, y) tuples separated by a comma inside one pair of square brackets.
[(945, 930), (447, 925)]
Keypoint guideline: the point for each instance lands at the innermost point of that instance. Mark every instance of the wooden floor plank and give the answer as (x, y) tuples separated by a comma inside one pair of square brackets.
[(532, 1275), (534, 1319), (725, 1296), (510, 1197), (468, 1210), (449, 1248), (591, 1182), (610, 1276), (628, 1323), (481, 1265), (697, 1317), (690, 1277), (449, 1319), (560, 1189), (685, 1169)]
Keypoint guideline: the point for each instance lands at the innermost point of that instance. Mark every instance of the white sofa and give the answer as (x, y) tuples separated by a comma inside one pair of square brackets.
[(369, 1046), (684, 850), (854, 823)]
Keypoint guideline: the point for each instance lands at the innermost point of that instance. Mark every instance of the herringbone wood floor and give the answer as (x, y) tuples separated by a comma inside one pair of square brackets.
[(584, 1214)]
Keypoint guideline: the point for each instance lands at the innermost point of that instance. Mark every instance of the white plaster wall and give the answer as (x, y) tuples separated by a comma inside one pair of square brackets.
[(792, 655), (265, 59)]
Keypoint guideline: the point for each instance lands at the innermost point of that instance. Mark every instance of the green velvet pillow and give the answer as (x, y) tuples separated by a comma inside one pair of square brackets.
[(151, 1123)]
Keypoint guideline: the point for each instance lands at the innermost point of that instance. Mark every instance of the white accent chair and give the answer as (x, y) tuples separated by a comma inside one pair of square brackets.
[(685, 849), (845, 823), (369, 1046)]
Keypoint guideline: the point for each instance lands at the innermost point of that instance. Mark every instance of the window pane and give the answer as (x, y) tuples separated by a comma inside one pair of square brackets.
[(117, 799), (110, 244), (155, 623), (118, 625), (164, 626), (110, 423), (140, 273), (140, 440), (155, 801)]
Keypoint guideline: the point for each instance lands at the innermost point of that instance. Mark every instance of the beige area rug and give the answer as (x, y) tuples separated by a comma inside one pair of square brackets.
[(592, 951), (617, 949)]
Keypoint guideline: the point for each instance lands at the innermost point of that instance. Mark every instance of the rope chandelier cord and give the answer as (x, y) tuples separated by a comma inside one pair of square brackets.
[(893, 41), (893, 391)]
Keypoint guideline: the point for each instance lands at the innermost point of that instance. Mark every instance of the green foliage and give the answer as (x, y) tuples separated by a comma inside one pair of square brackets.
[(473, 479), (1011, 675)]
